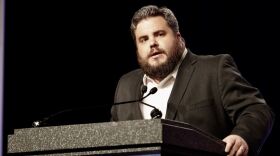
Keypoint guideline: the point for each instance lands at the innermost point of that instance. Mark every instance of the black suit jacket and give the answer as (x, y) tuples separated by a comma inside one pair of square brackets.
[(210, 94)]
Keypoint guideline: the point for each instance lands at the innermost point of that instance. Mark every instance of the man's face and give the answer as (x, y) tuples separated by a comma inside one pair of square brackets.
[(158, 47)]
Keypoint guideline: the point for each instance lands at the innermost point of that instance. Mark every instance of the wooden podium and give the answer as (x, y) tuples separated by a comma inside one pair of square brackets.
[(135, 137)]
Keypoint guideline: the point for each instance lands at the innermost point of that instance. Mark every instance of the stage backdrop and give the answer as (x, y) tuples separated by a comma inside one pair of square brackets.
[(63, 58)]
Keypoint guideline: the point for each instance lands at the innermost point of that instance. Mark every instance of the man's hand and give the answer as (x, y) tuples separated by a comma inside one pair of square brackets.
[(236, 146)]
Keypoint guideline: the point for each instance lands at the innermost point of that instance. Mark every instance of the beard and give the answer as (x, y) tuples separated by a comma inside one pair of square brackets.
[(160, 71)]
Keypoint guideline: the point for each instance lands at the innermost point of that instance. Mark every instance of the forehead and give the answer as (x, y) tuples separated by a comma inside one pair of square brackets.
[(150, 25)]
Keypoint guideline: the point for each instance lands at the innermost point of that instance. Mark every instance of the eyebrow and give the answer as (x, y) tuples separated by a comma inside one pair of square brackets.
[(154, 33)]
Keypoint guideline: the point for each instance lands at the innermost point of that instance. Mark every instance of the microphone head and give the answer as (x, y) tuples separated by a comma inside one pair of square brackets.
[(153, 90), (144, 89), (156, 114)]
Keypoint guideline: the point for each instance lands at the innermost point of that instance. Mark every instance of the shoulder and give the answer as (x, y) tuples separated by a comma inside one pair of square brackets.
[(213, 60), (209, 64), (131, 78), (132, 75), (128, 85)]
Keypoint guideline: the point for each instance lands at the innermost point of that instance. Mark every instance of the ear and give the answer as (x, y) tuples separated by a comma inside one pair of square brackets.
[(178, 34), (179, 37)]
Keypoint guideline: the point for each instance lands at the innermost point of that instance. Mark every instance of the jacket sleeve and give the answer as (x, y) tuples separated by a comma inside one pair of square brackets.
[(114, 116), (247, 109)]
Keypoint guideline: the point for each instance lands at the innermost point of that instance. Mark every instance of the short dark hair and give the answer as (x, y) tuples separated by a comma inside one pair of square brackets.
[(153, 11)]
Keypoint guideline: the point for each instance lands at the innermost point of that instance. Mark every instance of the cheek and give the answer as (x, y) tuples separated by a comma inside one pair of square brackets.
[(168, 45), (164, 43), (143, 51)]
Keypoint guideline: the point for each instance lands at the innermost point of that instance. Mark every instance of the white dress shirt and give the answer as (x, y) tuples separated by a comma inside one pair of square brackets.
[(160, 98)]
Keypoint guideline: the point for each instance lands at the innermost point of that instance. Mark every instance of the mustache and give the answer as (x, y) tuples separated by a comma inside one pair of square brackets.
[(155, 51)]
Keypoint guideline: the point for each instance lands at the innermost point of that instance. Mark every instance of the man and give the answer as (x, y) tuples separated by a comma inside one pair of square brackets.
[(207, 92)]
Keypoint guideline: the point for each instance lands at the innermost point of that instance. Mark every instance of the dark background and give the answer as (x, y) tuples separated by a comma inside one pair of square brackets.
[(64, 58)]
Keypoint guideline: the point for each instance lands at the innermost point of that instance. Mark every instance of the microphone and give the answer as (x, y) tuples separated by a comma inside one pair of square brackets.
[(45, 121), (143, 90), (155, 113), (39, 123)]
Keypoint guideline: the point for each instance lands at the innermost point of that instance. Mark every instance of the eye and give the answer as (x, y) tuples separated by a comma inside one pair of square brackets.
[(160, 33), (143, 39)]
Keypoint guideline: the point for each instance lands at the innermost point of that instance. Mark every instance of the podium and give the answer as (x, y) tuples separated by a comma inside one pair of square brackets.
[(134, 137)]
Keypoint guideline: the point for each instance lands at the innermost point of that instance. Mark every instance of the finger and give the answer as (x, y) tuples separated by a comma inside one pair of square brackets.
[(234, 148), (232, 151), (242, 151), (229, 144), (228, 147)]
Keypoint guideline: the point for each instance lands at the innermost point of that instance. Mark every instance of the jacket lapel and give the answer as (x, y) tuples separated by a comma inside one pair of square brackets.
[(184, 75)]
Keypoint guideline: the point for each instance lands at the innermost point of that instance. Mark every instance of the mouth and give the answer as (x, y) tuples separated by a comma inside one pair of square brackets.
[(155, 55), (156, 52)]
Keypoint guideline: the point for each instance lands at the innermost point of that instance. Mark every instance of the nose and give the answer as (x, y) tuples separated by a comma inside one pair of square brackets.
[(153, 42)]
